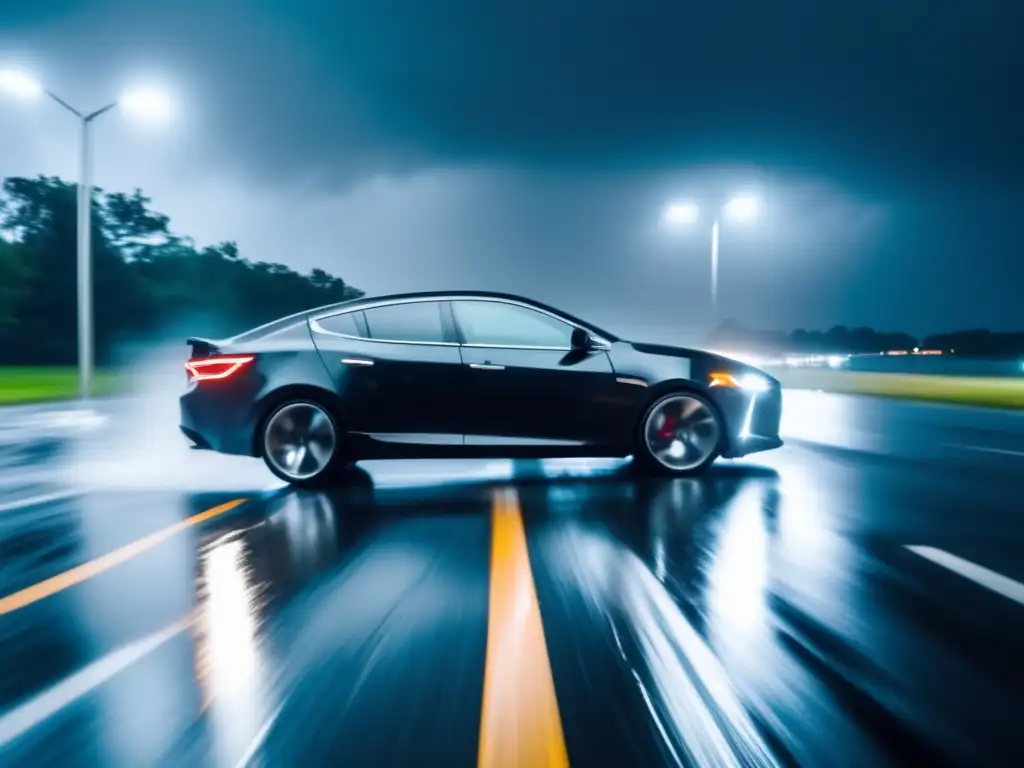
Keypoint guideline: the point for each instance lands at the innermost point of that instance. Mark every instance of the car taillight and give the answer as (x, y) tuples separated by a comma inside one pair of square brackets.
[(216, 367)]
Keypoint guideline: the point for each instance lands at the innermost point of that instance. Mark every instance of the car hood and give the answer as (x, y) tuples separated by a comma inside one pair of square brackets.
[(711, 358)]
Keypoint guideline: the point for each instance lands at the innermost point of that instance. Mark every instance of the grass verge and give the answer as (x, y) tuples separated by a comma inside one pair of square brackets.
[(986, 391), (19, 385), (42, 384)]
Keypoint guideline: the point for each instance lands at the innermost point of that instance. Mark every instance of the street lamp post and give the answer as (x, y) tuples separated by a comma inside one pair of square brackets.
[(742, 208), (24, 85), (714, 269), (85, 286)]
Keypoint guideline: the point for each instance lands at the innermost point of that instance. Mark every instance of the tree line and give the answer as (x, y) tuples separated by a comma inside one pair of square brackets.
[(148, 281), (151, 283), (979, 343)]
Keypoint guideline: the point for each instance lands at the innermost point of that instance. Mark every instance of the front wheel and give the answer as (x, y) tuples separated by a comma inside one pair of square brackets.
[(301, 443), (681, 434)]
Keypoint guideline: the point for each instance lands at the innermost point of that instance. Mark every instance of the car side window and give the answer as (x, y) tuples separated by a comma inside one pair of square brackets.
[(409, 321), (509, 325), (345, 324)]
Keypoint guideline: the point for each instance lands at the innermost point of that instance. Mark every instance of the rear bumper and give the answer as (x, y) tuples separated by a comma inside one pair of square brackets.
[(216, 420), (198, 441)]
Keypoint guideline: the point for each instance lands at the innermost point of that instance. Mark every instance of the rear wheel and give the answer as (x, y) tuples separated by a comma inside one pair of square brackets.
[(302, 443), (681, 434)]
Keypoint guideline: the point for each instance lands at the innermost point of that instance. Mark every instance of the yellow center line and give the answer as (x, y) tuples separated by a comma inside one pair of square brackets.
[(110, 560), (520, 725)]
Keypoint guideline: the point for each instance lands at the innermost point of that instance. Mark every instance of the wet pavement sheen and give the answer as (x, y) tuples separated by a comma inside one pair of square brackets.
[(769, 613)]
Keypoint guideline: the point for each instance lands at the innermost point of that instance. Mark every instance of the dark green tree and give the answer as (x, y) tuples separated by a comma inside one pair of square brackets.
[(13, 277), (146, 278)]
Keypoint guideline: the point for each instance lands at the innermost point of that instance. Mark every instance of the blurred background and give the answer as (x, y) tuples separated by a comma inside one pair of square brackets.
[(831, 192)]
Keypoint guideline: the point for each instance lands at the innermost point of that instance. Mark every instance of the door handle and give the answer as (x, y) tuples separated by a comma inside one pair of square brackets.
[(356, 361), (487, 367)]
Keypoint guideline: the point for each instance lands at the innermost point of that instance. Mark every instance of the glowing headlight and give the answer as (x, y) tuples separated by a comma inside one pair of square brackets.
[(749, 381)]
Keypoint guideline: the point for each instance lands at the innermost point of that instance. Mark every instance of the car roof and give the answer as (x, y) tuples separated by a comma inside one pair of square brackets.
[(368, 301), (365, 301)]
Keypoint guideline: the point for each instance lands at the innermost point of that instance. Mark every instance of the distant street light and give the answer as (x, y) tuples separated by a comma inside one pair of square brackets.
[(681, 213), (740, 209), (19, 84), (144, 104)]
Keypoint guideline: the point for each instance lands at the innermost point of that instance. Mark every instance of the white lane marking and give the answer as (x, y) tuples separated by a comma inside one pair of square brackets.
[(985, 449), (37, 501), (36, 710), (1004, 585), (257, 742)]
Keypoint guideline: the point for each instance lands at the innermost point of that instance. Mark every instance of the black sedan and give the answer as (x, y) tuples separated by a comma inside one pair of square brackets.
[(471, 374)]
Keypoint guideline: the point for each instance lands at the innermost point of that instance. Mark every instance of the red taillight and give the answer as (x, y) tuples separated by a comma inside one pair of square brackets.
[(216, 367)]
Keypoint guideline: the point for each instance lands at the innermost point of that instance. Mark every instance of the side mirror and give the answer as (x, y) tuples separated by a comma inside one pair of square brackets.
[(580, 341)]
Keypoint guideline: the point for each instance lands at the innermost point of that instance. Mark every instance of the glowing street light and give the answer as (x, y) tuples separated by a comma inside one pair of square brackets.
[(681, 213), (146, 104), (741, 209), (149, 105), (20, 84)]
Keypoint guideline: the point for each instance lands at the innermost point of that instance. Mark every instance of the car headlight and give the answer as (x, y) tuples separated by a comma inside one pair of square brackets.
[(751, 382)]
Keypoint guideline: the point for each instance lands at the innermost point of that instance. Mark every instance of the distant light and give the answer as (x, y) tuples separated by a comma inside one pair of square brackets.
[(20, 83), (836, 361), (916, 350), (150, 105), (681, 213), (743, 208)]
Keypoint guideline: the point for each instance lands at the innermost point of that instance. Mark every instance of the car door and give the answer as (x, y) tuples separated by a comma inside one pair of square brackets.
[(526, 385), (396, 366)]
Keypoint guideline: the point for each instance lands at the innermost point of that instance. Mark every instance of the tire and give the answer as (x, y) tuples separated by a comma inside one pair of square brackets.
[(301, 443), (691, 447)]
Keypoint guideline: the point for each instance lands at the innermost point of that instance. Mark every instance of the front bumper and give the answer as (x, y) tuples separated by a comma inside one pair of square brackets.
[(757, 428), (744, 446)]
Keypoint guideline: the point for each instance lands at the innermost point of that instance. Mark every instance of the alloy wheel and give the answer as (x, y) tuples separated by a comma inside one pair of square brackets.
[(300, 440), (682, 432)]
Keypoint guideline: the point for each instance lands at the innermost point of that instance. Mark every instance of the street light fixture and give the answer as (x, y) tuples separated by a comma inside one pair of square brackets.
[(150, 104), (20, 84), (682, 213), (743, 208)]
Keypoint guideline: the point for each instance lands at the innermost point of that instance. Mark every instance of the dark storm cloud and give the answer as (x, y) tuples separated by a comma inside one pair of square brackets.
[(874, 91), (911, 85), (529, 145)]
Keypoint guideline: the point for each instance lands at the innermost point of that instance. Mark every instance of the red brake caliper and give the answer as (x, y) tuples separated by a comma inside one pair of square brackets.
[(668, 428)]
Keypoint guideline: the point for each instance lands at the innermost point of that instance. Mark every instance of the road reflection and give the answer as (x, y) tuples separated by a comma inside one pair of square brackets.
[(230, 662), (244, 574), (733, 598), (726, 610), (661, 563)]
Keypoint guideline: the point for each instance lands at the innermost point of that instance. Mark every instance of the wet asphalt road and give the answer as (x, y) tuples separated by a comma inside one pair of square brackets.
[(819, 605)]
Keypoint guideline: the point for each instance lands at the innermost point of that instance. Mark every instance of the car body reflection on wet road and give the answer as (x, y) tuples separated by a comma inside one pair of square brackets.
[(770, 613)]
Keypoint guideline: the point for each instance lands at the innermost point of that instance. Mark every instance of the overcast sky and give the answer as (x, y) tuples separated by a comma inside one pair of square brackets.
[(530, 146)]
